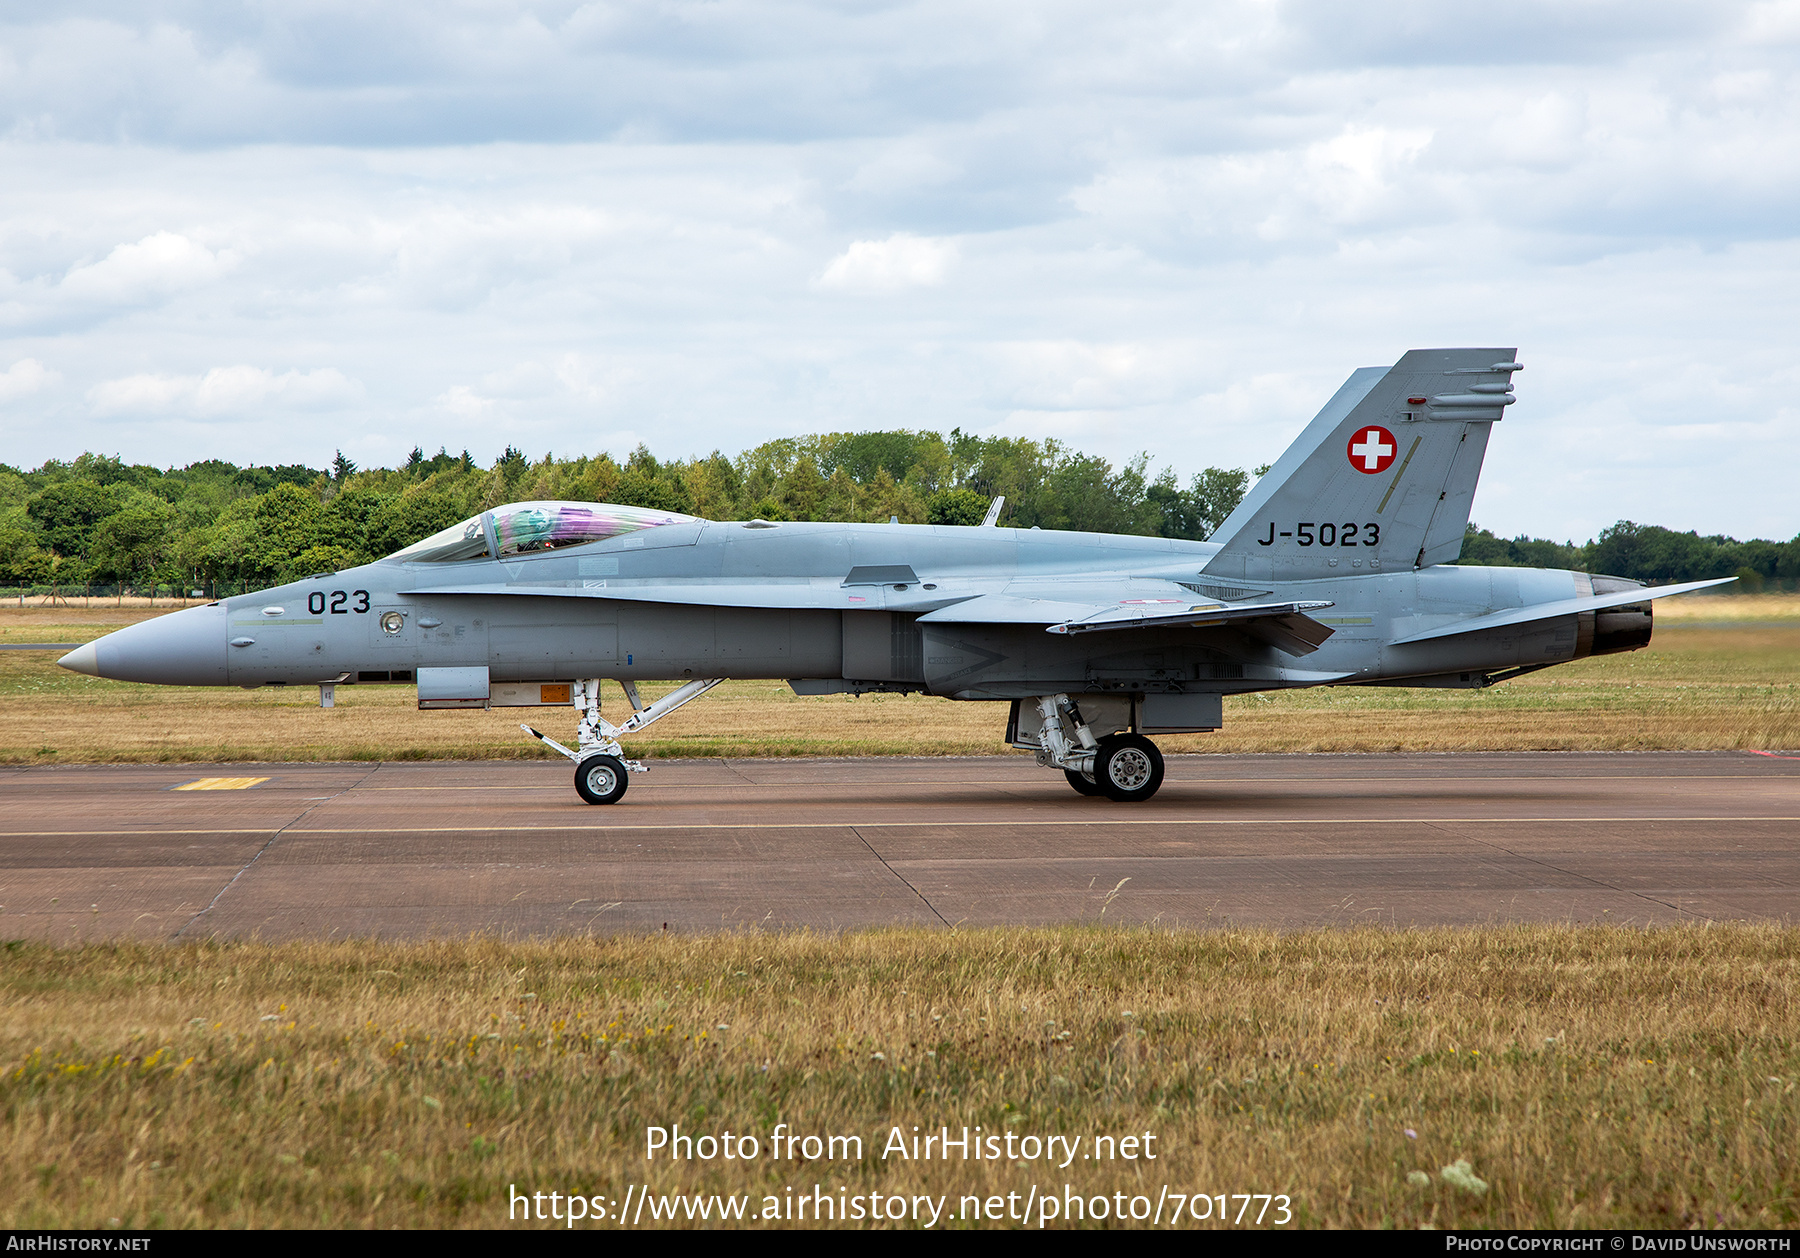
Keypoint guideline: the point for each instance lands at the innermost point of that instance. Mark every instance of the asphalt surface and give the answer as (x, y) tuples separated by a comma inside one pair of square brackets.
[(443, 850)]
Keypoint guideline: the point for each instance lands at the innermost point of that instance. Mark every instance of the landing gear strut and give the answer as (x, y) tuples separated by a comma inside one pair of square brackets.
[(600, 763), (1123, 767)]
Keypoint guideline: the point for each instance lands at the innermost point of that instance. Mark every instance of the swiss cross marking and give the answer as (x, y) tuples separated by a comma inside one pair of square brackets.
[(1372, 449)]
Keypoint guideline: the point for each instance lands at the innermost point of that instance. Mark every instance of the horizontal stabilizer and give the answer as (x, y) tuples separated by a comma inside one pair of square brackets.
[(1562, 607)]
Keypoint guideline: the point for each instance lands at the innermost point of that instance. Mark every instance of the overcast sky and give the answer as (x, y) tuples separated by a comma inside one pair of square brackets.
[(262, 232)]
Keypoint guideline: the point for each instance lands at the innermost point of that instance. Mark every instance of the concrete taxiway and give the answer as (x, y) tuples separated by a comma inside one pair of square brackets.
[(407, 850)]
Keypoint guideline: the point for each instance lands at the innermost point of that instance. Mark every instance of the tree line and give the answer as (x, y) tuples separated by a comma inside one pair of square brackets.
[(218, 527), (1649, 553)]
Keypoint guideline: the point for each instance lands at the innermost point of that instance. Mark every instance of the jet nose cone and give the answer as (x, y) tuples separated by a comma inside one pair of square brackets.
[(185, 648), (81, 660)]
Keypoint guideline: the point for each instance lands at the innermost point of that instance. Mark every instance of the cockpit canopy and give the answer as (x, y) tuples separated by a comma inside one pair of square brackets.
[(522, 528)]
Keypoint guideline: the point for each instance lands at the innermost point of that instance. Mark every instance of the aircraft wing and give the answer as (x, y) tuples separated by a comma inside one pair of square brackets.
[(1285, 626), (1562, 607)]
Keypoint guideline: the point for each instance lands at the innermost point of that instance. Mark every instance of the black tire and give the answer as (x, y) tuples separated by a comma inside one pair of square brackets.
[(1083, 783), (1128, 768), (600, 780)]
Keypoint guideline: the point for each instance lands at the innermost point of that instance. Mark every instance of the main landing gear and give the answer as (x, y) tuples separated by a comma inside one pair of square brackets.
[(600, 764), (1121, 766)]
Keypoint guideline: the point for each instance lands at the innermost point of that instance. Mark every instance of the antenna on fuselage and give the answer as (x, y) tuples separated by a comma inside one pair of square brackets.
[(992, 517)]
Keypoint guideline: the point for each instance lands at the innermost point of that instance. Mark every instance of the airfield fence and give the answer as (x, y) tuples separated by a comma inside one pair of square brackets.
[(97, 595)]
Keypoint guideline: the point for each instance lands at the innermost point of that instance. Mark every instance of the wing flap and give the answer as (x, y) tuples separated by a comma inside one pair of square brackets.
[(1284, 626), (1198, 615)]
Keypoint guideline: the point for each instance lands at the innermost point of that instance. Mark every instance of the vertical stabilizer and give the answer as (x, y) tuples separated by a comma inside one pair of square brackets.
[(1381, 480)]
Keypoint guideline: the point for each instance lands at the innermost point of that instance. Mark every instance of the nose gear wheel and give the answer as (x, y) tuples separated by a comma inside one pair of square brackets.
[(600, 779)]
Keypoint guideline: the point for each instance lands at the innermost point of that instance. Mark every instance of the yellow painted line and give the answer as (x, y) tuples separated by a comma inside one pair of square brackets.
[(219, 784)]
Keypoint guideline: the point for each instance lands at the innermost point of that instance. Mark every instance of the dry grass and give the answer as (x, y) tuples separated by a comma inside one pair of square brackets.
[(63, 604), (1732, 608), (1592, 1077), (1725, 677)]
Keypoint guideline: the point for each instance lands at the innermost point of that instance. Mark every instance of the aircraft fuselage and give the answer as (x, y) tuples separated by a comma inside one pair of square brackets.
[(597, 611)]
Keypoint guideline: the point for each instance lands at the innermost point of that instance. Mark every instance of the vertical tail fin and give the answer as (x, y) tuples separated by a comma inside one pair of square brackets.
[(1381, 480)]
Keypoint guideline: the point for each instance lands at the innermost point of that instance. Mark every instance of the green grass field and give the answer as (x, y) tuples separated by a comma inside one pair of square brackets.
[(1587, 1077)]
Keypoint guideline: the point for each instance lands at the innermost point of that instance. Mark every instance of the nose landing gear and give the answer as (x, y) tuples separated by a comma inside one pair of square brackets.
[(600, 763)]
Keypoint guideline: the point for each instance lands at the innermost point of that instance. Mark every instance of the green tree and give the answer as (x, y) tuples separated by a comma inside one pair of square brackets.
[(354, 518), (67, 511), (646, 483), (511, 467), (415, 514), (955, 506), (318, 561), (21, 558), (802, 490), (1196, 513), (128, 544)]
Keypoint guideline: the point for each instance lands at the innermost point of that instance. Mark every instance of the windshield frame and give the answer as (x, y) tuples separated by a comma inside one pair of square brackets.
[(458, 536)]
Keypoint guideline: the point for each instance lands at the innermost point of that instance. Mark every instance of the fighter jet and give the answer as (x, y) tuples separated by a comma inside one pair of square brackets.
[(1336, 569)]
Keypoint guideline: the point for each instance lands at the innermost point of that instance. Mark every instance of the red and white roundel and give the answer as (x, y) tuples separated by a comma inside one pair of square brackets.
[(1372, 449)]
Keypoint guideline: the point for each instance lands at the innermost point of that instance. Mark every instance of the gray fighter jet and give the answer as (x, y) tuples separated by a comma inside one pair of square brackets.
[(1335, 570)]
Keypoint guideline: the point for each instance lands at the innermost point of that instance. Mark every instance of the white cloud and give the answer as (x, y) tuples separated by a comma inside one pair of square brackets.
[(1773, 22), (1072, 375), (1142, 226), (224, 391), (139, 394), (885, 266), (23, 378), (154, 267), (1361, 165), (464, 403)]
